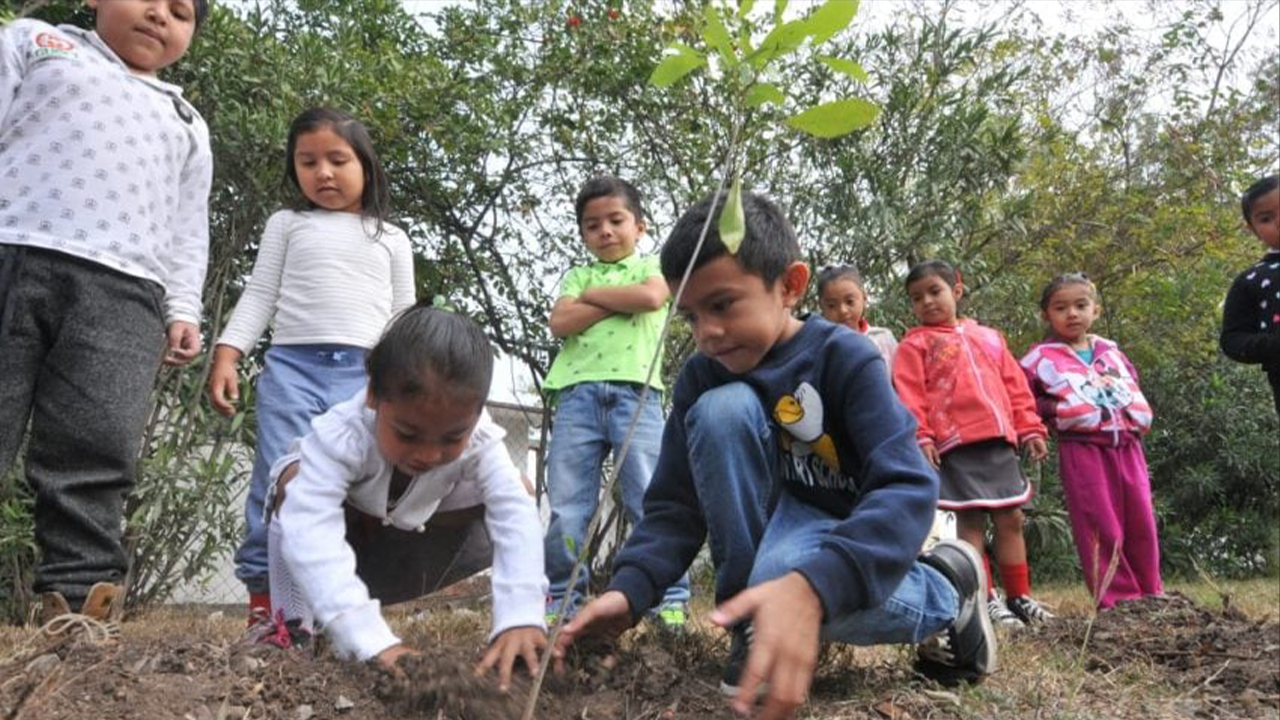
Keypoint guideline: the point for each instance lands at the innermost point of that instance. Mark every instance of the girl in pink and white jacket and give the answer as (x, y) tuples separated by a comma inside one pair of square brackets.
[(973, 412), (1087, 391)]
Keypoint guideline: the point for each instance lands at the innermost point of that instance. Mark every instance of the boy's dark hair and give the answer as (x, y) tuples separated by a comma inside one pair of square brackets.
[(375, 201), (1255, 193), (828, 274), (424, 339), (608, 186), (929, 268), (768, 247), (1063, 280)]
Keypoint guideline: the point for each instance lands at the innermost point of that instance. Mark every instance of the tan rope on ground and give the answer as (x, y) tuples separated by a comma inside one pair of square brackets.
[(61, 629)]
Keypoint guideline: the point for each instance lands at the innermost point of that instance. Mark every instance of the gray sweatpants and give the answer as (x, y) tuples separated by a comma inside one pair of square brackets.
[(79, 348)]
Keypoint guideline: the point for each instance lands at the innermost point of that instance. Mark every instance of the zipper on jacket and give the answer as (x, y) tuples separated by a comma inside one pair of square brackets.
[(982, 387)]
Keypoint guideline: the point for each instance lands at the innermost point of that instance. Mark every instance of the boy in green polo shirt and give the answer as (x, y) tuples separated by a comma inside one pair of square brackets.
[(610, 316)]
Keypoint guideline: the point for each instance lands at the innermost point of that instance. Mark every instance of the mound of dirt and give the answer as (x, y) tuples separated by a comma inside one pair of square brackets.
[(1212, 664), (1219, 656), (89, 676)]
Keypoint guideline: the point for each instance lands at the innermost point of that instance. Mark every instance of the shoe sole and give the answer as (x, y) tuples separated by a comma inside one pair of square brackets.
[(989, 662)]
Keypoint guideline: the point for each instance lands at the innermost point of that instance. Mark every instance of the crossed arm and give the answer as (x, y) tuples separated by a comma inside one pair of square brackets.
[(572, 315)]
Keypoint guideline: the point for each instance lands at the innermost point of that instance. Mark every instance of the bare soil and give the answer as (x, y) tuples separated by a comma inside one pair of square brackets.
[(1190, 661)]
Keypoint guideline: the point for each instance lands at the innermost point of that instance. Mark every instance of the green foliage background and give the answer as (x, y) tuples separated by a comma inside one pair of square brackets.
[(1014, 150)]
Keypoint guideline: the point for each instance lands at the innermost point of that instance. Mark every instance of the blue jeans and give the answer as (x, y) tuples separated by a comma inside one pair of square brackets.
[(591, 419), (298, 384), (759, 532)]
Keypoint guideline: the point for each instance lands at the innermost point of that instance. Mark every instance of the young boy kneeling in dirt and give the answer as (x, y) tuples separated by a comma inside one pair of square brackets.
[(400, 491), (787, 443)]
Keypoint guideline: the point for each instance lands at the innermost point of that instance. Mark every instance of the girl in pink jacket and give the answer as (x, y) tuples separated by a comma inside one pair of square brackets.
[(973, 410), (1087, 391)]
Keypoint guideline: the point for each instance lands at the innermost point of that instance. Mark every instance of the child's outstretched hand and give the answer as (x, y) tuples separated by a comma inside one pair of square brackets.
[(608, 616), (1037, 449), (520, 642), (184, 343), (390, 658), (786, 616)]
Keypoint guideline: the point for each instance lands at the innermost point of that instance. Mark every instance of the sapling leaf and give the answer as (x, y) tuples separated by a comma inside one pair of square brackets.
[(717, 37), (675, 66), (782, 39), (845, 67), (571, 546), (744, 7), (762, 93), (733, 226), (834, 119), (829, 19)]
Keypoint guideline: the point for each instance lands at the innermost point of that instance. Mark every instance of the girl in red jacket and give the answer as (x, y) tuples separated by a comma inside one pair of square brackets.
[(973, 410)]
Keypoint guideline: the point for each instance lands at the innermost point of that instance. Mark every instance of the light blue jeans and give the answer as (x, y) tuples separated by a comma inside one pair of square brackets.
[(298, 384), (591, 420), (759, 532)]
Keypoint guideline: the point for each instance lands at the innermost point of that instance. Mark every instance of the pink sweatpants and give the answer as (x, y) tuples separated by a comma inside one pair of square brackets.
[(1108, 495)]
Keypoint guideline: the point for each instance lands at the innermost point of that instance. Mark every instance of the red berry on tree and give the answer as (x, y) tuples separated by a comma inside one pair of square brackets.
[(574, 20), (614, 14)]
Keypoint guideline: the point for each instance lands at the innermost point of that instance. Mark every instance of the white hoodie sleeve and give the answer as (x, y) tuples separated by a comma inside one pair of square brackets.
[(313, 526), (519, 582)]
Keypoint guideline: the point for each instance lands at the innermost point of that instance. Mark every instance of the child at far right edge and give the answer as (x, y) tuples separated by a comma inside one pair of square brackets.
[(974, 412), (1087, 391), (1251, 313)]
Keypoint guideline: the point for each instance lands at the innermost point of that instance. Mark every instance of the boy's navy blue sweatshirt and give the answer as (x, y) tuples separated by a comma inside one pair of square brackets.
[(846, 445)]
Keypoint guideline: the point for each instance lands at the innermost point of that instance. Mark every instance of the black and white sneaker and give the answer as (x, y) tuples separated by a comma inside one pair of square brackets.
[(1028, 610), (739, 646), (1001, 613), (965, 651)]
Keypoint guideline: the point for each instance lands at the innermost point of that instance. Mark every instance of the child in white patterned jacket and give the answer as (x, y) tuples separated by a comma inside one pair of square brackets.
[(404, 489)]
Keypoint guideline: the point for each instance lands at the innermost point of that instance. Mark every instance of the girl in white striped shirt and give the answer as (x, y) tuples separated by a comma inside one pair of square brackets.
[(330, 275)]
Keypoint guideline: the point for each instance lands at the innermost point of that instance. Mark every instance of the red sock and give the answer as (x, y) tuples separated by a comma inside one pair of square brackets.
[(259, 601), (1017, 579), (991, 584)]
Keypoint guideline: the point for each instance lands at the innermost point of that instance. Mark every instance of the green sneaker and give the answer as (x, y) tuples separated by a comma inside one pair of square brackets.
[(673, 616)]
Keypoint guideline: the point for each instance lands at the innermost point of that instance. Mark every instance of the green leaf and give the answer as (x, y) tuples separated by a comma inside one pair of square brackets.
[(846, 67), (717, 36), (744, 7), (571, 546), (834, 119), (674, 67), (831, 18), (762, 93), (781, 40), (733, 226), (779, 7)]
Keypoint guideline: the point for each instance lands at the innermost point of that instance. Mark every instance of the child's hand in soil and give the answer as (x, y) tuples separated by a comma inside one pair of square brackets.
[(608, 615), (785, 616), (390, 658), (519, 642)]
